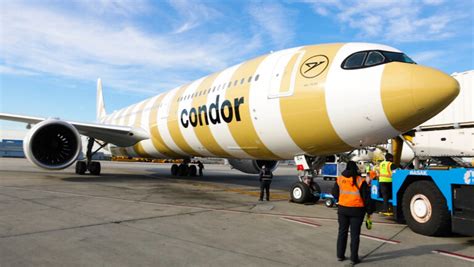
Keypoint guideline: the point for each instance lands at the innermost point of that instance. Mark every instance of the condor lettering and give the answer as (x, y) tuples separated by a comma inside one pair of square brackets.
[(215, 114)]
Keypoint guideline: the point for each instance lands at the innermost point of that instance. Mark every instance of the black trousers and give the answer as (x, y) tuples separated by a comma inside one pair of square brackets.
[(265, 185), (386, 191), (200, 171), (355, 223)]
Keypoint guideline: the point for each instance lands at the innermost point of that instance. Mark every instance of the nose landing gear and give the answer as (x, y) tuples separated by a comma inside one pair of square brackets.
[(306, 189)]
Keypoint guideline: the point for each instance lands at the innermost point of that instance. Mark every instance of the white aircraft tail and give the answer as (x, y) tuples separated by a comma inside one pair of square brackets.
[(100, 112)]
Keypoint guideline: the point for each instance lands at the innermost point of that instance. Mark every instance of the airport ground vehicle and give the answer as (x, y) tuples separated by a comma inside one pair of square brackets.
[(432, 202), (331, 170)]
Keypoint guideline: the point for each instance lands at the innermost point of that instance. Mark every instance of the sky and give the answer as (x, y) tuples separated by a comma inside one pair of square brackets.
[(52, 52)]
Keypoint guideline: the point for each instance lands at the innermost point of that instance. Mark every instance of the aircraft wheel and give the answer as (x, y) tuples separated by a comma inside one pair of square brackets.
[(94, 168), (183, 170), (425, 209), (192, 170), (81, 167), (174, 170), (300, 193)]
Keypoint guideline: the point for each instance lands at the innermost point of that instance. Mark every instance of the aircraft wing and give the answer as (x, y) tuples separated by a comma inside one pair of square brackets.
[(114, 134)]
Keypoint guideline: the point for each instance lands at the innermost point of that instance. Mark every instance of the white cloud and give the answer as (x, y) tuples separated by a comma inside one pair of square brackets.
[(16, 71), (274, 20), (193, 13), (393, 20), (426, 57), (36, 39), (119, 7)]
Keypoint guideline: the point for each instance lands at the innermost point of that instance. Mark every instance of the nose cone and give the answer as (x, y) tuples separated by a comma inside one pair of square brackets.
[(432, 90), (412, 94)]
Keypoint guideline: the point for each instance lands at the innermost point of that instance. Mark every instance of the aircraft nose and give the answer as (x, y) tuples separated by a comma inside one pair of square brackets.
[(432, 90), (412, 94)]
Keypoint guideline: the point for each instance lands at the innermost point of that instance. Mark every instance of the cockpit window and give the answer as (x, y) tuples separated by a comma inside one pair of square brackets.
[(365, 59), (355, 60), (374, 58), (398, 57)]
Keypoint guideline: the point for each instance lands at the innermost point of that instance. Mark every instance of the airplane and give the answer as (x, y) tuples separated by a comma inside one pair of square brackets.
[(312, 101)]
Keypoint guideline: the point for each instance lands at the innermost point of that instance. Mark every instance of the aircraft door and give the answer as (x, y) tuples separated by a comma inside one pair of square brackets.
[(282, 82)]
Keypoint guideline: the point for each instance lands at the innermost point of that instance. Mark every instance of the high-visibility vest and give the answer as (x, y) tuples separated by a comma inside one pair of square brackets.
[(385, 175), (349, 195), (372, 174)]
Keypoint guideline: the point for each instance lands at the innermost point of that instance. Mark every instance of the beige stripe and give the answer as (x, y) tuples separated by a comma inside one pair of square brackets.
[(156, 138), (127, 114), (139, 146), (243, 131), (173, 124), (203, 132), (305, 114)]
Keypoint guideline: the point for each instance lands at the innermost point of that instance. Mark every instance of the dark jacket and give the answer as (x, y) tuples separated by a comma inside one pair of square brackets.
[(364, 191), (266, 175)]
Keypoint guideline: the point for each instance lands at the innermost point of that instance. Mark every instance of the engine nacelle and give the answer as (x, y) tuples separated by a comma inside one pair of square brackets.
[(252, 166), (52, 144)]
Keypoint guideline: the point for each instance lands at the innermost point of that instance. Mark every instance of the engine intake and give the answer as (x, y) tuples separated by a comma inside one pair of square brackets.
[(252, 166), (52, 144)]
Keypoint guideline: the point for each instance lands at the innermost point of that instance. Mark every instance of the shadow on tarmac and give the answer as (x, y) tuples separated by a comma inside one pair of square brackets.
[(409, 252), (281, 182)]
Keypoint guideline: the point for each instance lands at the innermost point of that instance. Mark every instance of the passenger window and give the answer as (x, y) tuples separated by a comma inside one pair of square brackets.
[(256, 77), (230, 83), (355, 61), (374, 58), (235, 83), (242, 81), (250, 79)]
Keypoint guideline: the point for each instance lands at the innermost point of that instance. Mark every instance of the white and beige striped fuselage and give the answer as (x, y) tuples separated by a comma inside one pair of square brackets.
[(292, 102)]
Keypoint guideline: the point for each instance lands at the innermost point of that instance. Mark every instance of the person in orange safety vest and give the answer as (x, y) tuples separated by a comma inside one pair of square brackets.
[(353, 194)]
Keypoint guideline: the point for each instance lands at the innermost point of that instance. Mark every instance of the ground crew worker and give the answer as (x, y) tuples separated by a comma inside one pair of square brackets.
[(385, 182), (266, 176), (354, 196), (200, 166), (372, 175)]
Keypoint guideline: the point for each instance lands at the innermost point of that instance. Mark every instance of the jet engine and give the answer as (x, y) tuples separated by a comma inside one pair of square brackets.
[(252, 166), (52, 144)]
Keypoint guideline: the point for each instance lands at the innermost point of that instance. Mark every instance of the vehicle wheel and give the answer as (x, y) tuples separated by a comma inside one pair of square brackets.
[(81, 167), (192, 170), (183, 170), (425, 209), (174, 169), (94, 168), (300, 193), (329, 202)]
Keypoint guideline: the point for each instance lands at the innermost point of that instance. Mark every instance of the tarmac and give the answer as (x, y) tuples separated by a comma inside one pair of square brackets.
[(137, 214)]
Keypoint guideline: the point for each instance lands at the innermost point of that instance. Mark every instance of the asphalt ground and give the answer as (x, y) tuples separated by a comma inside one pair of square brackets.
[(137, 214)]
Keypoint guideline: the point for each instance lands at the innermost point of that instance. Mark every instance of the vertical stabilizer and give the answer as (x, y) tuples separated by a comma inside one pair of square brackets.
[(100, 112)]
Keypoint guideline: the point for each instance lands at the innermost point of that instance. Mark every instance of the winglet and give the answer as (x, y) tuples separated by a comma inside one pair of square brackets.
[(100, 112)]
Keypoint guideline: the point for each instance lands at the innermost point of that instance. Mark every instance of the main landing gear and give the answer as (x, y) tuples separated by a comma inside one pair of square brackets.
[(306, 190), (88, 165), (184, 169)]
